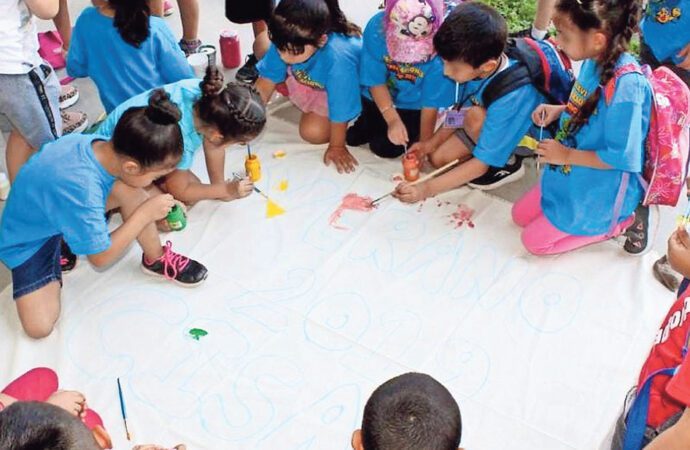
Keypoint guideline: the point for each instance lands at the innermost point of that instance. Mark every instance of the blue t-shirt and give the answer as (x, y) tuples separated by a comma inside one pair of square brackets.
[(62, 189), (184, 94), (119, 69), (334, 68), (581, 200), (412, 86), (507, 121), (666, 28)]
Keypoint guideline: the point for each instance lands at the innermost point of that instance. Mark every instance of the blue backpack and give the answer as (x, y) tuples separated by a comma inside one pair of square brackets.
[(539, 63)]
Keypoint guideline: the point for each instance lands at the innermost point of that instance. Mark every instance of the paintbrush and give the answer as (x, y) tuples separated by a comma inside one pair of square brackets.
[(427, 177), (237, 176), (123, 409), (249, 151)]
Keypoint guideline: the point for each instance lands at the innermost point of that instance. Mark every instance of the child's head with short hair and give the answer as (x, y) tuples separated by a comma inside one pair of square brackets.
[(148, 140), (471, 41), (298, 28), (34, 425), (229, 113), (599, 30), (410, 412)]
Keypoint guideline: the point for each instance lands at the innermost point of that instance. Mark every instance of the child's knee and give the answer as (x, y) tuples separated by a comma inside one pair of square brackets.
[(123, 194), (474, 120), (532, 240), (314, 132), (39, 327)]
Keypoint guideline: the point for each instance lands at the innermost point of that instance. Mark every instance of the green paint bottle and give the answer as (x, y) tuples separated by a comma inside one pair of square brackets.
[(176, 218)]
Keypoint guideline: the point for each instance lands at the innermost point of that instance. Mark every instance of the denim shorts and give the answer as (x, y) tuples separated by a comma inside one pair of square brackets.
[(39, 270)]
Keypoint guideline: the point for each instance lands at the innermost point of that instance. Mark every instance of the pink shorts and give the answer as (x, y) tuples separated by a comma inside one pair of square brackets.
[(306, 98)]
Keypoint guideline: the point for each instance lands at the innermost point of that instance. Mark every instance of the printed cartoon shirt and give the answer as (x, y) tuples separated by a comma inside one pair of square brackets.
[(581, 200), (412, 86), (669, 395), (508, 118), (666, 28), (184, 94), (69, 201), (333, 68)]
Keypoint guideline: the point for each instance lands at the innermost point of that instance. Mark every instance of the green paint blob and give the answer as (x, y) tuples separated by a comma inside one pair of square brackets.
[(197, 333)]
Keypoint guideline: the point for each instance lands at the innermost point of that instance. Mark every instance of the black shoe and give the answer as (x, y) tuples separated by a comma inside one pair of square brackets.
[(248, 74), (175, 267), (358, 134), (638, 239), (68, 260), (497, 177)]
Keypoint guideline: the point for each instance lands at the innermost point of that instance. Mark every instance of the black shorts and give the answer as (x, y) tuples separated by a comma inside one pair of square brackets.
[(247, 11)]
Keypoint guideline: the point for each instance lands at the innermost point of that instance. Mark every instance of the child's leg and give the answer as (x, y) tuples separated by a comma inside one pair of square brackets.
[(261, 40), (314, 128), (462, 142), (384, 148), (189, 15), (37, 284), (18, 152), (36, 385), (368, 125), (64, 25), (540, 237), (528, 208), (128, 199)]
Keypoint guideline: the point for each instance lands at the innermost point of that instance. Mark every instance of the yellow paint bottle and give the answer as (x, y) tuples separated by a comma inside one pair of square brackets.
[(253, 167)]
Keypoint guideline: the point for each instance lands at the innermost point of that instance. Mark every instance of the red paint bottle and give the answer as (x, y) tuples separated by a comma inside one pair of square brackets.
[(411, 167), (230, 51)]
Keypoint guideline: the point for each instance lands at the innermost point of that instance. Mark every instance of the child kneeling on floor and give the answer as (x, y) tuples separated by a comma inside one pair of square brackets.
[(472, 43), (591, 186), (214, 115), (656, 413), (410, 412), (315, 50), (65, 191)]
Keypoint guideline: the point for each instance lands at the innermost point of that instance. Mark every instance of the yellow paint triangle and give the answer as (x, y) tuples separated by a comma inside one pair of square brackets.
[(272, 209)]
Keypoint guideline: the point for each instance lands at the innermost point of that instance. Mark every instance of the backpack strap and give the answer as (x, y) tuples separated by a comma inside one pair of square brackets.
[(618, 204), (511, 79), (610, 88)]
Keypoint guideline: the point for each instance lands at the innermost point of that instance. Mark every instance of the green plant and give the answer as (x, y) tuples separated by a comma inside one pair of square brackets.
[(518, 13)]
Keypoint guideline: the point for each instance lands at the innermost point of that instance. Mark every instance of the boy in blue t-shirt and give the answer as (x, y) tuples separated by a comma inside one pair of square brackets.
[(402, 78), (471, 43)]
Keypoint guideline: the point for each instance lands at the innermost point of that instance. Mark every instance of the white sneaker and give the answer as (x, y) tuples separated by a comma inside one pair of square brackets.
[(69, 95)]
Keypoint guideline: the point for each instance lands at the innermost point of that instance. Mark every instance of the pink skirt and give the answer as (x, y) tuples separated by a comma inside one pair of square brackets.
[(308, 99)]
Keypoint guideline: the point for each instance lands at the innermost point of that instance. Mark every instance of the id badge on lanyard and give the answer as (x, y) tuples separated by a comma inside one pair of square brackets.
[(455, 117)]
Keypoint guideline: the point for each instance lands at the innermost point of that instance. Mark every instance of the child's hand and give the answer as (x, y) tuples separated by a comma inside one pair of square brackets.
[(407, 193), (685, 53), (553, 152), (341, 157), (71, 401), (239, 188), (549, 114), (423, 148), (397, 133), (679, 251), (157, 207)]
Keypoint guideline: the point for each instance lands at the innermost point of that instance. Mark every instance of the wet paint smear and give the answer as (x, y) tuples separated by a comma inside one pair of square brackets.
[(352, 202), (463, 215), (197, 333)]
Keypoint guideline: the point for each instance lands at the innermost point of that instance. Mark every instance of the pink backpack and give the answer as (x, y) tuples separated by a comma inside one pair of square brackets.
[(50, 48), (668, 141)]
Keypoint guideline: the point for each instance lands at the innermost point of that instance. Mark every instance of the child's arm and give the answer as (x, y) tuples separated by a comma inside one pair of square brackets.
[(425, 147), (674, 438), (185, 187), (427, 123), (155, 208), (265, 87), (553, 152), (461, 175), (43, 9), (397, 133)]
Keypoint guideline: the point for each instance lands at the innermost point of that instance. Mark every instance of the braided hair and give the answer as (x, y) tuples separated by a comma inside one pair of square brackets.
[(618, 19), (236, 110)]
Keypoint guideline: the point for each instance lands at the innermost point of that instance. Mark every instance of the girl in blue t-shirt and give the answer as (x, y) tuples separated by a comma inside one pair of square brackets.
[(402, 78), (590, 188), (124, 51), (214, 115), (64, 192), (315, 51)]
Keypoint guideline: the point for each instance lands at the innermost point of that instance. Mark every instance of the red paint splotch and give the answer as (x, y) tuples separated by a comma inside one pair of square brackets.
[(463, 215), (351, 202)]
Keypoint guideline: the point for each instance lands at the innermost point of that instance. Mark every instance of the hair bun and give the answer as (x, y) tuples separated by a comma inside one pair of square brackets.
[(213, 82), (161, 110)]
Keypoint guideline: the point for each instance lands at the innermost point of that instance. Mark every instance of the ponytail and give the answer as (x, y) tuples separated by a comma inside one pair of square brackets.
[(132, 20), (150, 135), (619, 20), (295, 24), (235, 110)]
